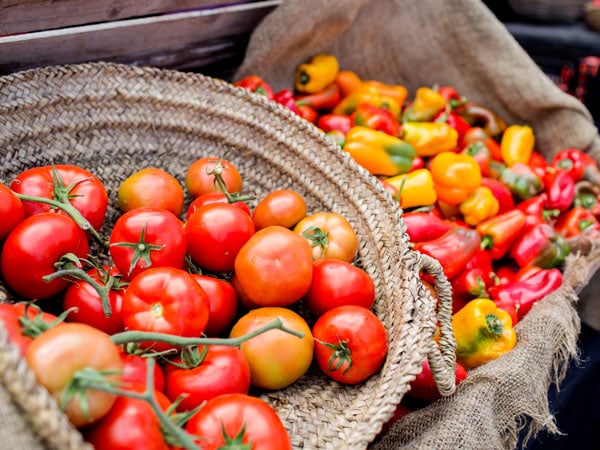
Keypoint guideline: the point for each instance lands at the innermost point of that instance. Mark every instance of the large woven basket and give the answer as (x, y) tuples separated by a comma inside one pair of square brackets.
[(115, 119)]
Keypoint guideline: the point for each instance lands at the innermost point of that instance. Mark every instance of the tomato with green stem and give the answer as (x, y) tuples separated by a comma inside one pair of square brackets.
[(135, 370), (56, 355), (206, 372), (165, 300), (11, 211), (66, 184), (213, 197), (330, 236), (270, 367), (350, 343), (222, 303), (200, 176), (151, 187), (37, 247), (147, 237), (238, 421), (87, 304)]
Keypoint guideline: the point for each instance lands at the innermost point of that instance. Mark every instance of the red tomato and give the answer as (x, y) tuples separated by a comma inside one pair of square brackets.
[(32, 249), (20, 334), (424, 387), (11, 211), (276, 357), (335, 283), (72, 184), (165, 300), (359, 340), (135, 371), (131, 424), (82, 296), (200, 178), (231, 415), (224, 370), (147, 237), (330, 235), (55, 356), (210, 198), (215, 234), (222, 303), (151, 187), (274, 268), (284, 208)]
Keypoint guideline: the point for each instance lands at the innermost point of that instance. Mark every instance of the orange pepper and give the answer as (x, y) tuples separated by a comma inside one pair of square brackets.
[(455, 176), (395, 91), (348, 82), (479, 205), (367, 94)]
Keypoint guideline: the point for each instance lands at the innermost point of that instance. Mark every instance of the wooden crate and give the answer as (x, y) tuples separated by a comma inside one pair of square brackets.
[(197, 35)]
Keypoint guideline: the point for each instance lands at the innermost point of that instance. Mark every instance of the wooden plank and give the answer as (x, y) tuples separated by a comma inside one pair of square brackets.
[(131, 41), (23, 16)]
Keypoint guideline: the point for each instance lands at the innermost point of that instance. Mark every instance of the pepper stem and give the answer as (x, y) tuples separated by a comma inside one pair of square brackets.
[(494, 325)]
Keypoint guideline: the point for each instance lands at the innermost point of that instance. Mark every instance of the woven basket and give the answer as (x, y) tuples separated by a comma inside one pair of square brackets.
[(557, 11), (115, 119)]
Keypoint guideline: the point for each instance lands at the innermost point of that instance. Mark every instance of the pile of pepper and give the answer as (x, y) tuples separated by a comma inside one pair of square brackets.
[(476, 193)]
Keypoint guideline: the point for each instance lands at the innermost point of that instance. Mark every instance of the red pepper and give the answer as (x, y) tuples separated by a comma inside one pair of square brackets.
[(418, 163), (478, 134), (576, 222), (540, 245), (522, 181), (505, 199), (328, 98), (286, 98), (451, 95), (499, 232), (455, 121), (380, 119), (536, 211), (573, 161), (522, 295), (425, 226), (560, 188), (424, 386), (255, 84), (474, 280), (505, 273), (454, 249), (538, 163), (481, 154), (588, 196), (330, 122), (307, 113)]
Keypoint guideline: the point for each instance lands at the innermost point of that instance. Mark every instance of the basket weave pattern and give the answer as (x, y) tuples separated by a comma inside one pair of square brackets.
[(114, 120)]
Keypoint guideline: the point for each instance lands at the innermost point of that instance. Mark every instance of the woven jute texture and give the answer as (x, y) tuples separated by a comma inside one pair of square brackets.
[(458, 43), (114, 120)]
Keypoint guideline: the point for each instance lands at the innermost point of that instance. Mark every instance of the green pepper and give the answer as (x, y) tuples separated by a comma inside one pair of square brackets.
[(540, 245), (522, 181)]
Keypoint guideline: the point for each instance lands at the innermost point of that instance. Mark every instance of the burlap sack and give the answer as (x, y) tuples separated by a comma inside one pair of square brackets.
[(459, 43)]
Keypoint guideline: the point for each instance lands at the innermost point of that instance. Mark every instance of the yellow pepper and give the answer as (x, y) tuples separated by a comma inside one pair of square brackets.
[(426, 104), (367, 93), (455, 176), (395, 91), (517, 144), (315, 75), (378, 152), (479, 205), (483, 332), (430, 138), (416, 188)]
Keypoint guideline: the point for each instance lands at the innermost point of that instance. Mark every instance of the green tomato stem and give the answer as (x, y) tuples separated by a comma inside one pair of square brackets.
[(81, 221), (179, 341)]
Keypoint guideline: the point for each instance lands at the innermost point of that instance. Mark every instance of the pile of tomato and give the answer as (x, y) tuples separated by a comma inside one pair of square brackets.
[(162, 333)]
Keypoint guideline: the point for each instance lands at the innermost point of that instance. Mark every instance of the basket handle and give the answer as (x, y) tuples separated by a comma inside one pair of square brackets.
[(442, 357)]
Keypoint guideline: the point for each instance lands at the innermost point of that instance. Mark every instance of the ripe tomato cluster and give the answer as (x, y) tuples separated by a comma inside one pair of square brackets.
[(180, 316)]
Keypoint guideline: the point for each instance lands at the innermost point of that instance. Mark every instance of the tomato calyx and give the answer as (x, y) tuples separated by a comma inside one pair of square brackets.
[(317, 237), (142, 250), (341, 355), (36, 326), (220, 184), (236, 442), (191, 357)]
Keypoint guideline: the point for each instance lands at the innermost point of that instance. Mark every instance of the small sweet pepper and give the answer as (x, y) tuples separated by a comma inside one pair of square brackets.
[(429, 138), (479, 206), (517, 144), (378, 152), (316, 74), (255, 84), (455, 176), (482, 155), (560, 188), (473, 281), (426, 104), (506, 201), (327, 99), (573, 161), (521, 180), (499, 232), (576, 222), (425, 226), (415, 188), (479, 116), (540, 245), (370, 116), (367, 94)]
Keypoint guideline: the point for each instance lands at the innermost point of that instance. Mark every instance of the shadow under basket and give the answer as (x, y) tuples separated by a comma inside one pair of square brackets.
[(114, 120)]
